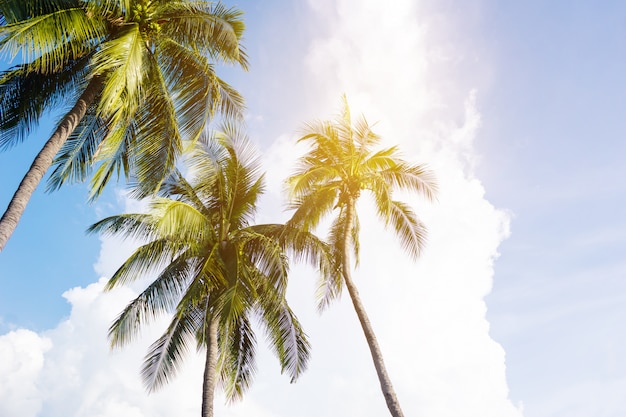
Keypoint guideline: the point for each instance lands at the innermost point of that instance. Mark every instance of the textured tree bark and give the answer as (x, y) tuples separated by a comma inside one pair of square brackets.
[(372, 342), (210, 369), (43, 160)]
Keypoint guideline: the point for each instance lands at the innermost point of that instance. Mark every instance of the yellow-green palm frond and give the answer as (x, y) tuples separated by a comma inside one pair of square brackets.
[(326, 144), (51, 38), (310, 177), (364, 137), (121, 61), (312, 207), (179, 220)]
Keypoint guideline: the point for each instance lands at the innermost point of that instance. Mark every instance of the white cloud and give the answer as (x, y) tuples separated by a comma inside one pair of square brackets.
[(429, 315), (22, 352)]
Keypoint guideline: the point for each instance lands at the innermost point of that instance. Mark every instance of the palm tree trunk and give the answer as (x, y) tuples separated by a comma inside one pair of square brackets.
[(44, 159), (210, 369), (372, 342)]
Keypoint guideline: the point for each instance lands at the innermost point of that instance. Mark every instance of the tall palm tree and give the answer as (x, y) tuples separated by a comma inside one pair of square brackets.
[(215, 271), (135, 77), (340, 164)]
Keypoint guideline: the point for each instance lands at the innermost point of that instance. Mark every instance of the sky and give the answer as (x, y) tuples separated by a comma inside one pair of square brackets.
[(516, 308)]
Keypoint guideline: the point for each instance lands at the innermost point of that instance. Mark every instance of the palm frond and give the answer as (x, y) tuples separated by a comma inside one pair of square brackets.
[(364, 136), (408, 228), (310, 209), (26, 95), (51, 38), (147, 258), (138, 226), (115, 153), (179, 220), (285, 334), (237, 364), (121, 59), (417, 178), (157, 142), (74, 162), (209, 27), (161, 296), (165, 356), (337, 233)]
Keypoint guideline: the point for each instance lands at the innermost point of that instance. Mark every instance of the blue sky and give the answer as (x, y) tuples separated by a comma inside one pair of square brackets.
[(521, 109)]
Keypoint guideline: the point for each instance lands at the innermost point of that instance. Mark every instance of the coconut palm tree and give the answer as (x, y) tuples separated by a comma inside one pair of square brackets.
[(341, 163), (134, 77), (215, 272)]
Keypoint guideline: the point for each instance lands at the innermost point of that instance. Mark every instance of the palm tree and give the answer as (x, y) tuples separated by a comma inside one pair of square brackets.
[(140, 75), (215, 272), (340, 164)]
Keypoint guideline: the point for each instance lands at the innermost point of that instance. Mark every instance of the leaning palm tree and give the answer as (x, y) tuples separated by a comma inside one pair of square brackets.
[(340, 164), (214, 272), (135, 78)]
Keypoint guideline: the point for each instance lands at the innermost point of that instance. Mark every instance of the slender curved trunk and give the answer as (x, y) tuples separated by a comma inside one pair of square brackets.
[(210, 369), (377, 356), (44, 159)]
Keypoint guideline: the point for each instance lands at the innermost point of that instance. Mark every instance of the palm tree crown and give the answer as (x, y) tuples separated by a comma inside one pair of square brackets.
[(139, 73), (342, 163), (215, 271)]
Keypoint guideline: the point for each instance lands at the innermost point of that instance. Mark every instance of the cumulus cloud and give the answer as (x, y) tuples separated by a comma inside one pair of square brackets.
[(429, 315)]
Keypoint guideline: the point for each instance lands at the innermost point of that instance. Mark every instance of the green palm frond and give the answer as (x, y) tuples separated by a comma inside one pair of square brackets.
[(161, 296), (384, 159), (237, 362), (212, 27), (116, 146), (234, 302), (190, 81), (157, 144), (231, 104), (137, 226), (288, 340), (112, 9), (74, 162), (311, 177), (26, 95), (267, 262), (148, 258), (329, 288), (337, 232), (164, 357)]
